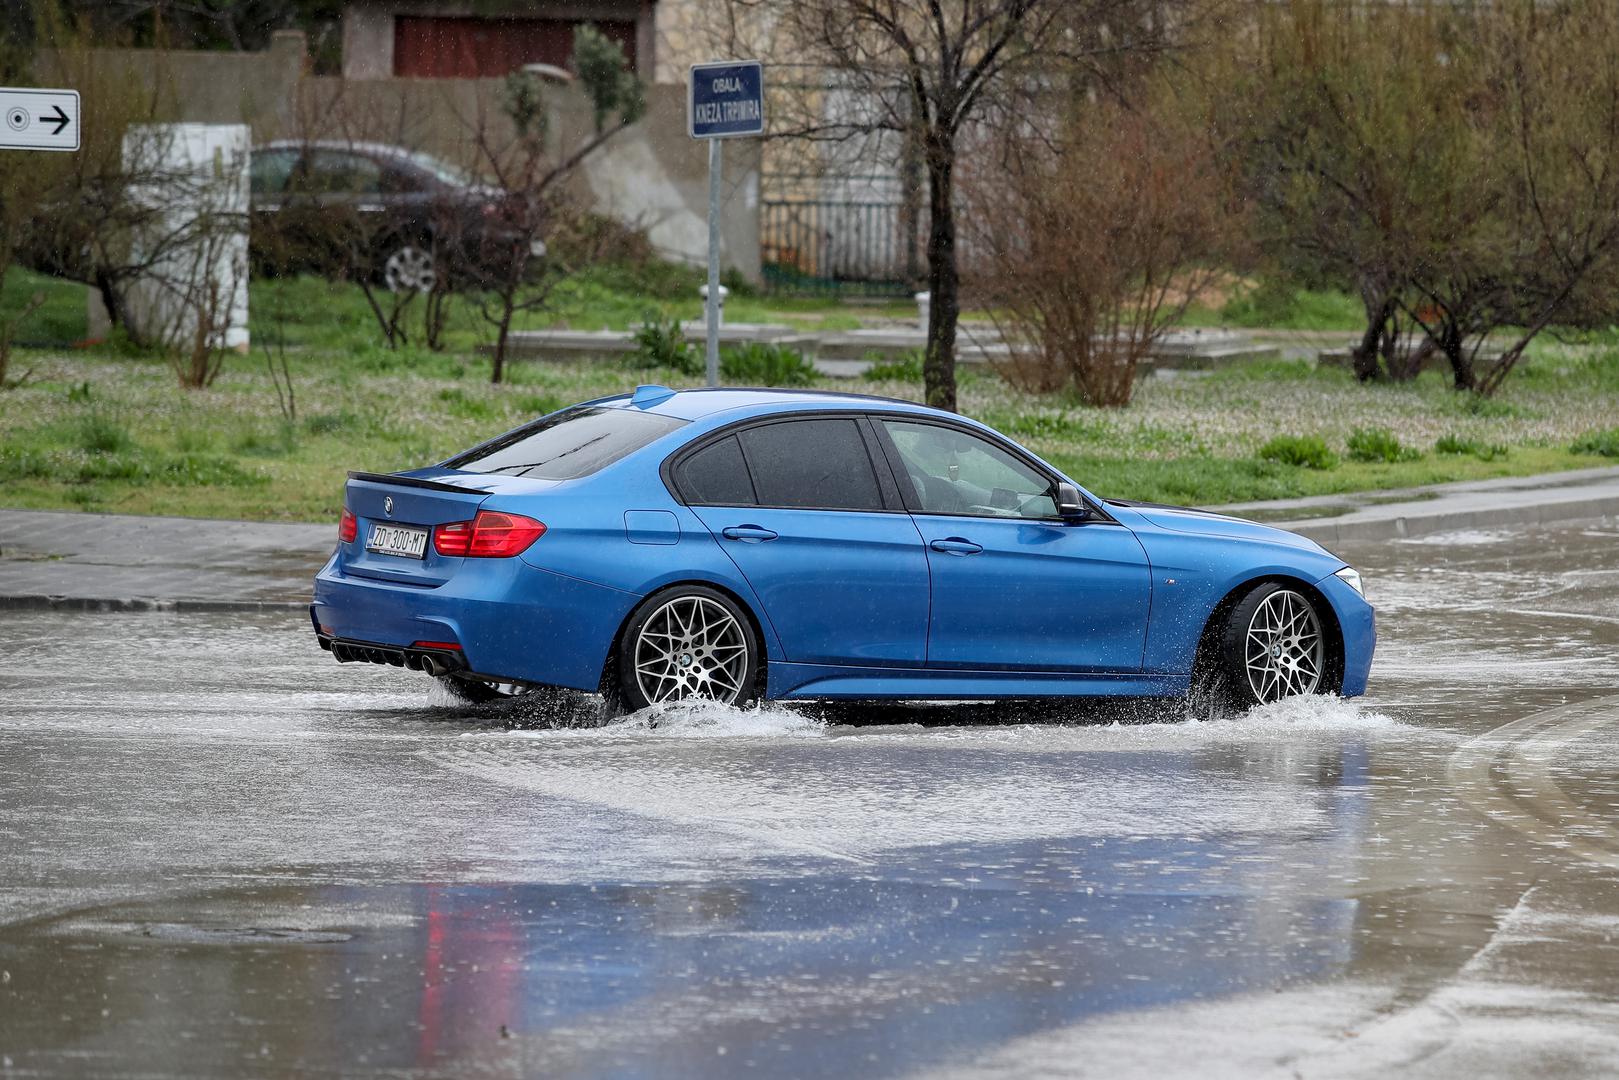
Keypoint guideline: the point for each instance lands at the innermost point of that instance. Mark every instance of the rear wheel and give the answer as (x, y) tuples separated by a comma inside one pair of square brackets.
[(1273, 645), (690, 643)]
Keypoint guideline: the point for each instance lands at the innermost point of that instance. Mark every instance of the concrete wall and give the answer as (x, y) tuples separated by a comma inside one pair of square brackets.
[(652, 174)]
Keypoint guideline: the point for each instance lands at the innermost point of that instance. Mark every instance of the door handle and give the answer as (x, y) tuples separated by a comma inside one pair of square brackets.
[(955, 545), (749, 534)]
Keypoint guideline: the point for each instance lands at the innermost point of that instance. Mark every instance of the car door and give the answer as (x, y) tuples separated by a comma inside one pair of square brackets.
[(1014, 586), (821, 536)]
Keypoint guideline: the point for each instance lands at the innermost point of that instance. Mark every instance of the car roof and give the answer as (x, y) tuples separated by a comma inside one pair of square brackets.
[(375, 149), (706, 402)]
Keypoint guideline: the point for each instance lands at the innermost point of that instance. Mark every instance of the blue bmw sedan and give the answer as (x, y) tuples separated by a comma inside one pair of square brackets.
[(737, 544)]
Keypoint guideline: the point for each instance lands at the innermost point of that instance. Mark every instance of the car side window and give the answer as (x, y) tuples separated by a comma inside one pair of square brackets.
[(818, 464), (398, 180), (270, 170), (954, 472), (332, 172), (717, 476)]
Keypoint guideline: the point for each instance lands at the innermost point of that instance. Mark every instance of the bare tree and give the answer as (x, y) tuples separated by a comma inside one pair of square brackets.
[(1547, 100), (512, 149), (929, 71), (93, 209), (1360, 149), (1096, 242)]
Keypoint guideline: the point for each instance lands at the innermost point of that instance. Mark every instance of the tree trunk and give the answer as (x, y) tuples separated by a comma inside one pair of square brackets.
[(498, 369), (910, 211), (1453, 343), (1363, 358), (944, 279), (111, 300)]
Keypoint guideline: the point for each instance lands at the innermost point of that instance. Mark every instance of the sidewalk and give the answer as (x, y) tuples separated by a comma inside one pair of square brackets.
[(114, 562), (105, 562), (1582, 494)]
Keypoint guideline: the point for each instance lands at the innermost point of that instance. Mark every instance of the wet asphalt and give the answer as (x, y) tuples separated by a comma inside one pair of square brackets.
[(223, 854)]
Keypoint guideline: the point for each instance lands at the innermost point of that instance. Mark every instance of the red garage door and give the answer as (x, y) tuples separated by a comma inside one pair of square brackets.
[(427, 47)]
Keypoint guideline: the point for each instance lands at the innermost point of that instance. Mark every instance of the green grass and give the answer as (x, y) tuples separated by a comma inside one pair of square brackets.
[(60, 320), (1604, 443), (1282, 307), (108, 429), (1217, 481)]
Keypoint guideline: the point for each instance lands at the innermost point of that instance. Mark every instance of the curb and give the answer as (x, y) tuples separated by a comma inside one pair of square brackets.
[(142, 603), (1413, 524)]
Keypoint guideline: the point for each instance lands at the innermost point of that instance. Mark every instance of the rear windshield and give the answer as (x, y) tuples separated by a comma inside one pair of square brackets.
[(568, 445)]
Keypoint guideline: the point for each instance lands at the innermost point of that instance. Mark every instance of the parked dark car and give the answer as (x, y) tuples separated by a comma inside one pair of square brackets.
[(398, 216)]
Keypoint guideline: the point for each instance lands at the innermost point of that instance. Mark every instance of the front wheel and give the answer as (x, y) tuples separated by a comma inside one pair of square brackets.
[(1272, 646), (690, 643), (409, 268)]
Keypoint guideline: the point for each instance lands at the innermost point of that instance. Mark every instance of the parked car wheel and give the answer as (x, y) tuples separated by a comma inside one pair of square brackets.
[(410, 268), (688, 643), (1273, 646)]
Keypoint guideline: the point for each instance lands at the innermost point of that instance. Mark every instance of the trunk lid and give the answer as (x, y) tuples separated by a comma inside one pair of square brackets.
[(410, 503)]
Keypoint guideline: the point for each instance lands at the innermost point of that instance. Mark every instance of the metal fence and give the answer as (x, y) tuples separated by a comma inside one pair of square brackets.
[(838, 246)]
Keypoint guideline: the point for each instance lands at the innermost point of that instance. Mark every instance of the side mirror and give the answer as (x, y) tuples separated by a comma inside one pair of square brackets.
[(1069, 503)]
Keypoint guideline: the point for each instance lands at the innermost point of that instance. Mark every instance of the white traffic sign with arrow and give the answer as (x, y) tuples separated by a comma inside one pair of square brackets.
[(38, 119)]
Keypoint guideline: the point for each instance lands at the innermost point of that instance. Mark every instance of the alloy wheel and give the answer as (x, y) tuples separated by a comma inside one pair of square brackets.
[(1283, 649), (410, 269), (691, 648)]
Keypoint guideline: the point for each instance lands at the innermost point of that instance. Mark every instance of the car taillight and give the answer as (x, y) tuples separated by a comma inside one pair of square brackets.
[(490, 535), (348, 526)]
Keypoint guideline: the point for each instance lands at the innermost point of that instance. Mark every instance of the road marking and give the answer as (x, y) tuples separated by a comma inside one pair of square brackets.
[(1505, 775)]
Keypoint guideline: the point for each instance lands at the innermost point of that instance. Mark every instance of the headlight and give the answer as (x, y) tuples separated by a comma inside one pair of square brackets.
[(1351, 577)]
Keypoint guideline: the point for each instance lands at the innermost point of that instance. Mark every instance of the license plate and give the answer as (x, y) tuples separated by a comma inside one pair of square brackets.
[(405, 541)]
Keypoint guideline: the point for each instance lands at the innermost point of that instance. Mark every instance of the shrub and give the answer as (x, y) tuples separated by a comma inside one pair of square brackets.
[(661, 343), (1458, 445), (906, 368), (1605, 443), (1379, 444), (760, 363), (1305, 451), (101, 434)]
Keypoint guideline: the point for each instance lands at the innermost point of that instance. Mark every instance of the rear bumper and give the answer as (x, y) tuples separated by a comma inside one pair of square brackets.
[(434, 661), (514, 622)]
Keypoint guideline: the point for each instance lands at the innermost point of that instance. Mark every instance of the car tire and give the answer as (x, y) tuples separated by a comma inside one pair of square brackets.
[(410, 268), (687, 643), (1272, 645)]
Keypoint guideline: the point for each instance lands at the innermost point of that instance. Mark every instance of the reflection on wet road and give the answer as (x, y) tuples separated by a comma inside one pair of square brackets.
[(222, 853)]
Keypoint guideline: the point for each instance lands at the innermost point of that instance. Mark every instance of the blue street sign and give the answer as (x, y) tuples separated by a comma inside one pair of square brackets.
[(727, 100)]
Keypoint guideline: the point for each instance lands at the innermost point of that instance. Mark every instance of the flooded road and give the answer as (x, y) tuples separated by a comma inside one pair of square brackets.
[(221, 853)]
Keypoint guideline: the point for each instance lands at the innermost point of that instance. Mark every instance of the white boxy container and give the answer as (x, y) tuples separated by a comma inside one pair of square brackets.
[(193, 180)]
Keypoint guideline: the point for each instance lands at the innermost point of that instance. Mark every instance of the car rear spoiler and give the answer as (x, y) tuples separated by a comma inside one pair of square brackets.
[(412, 482)]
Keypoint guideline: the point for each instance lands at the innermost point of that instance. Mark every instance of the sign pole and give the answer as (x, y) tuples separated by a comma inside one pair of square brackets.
[(725, 100), (715, 169)]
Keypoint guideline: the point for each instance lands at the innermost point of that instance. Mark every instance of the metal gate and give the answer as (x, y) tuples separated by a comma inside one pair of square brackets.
[(812, 246)]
